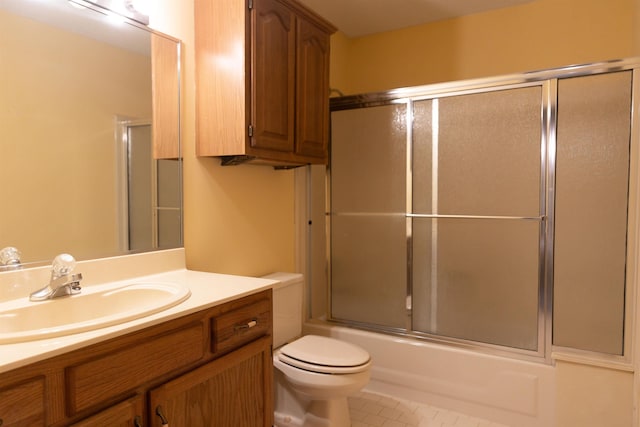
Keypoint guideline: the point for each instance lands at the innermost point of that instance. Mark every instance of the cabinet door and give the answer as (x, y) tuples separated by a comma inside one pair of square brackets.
[(234, 390), (23, 404), (272, 76), (312, 90), (125, 414), (91, 381)]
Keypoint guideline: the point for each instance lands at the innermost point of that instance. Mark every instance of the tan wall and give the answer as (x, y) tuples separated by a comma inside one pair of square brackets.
[(238, 219), (537, 35), (340, 45)]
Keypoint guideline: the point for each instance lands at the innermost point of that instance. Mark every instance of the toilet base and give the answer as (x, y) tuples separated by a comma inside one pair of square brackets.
[(328, 413), (286, 420), (319, 413)]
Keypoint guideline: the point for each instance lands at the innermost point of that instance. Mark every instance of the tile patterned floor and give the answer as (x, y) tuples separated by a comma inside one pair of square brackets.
[(375, 410)]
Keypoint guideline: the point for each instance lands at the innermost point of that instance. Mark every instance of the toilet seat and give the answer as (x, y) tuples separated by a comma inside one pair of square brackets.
[(324, 355)]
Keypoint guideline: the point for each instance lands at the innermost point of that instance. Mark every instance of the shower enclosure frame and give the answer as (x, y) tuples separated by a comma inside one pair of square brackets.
[(547, 80)]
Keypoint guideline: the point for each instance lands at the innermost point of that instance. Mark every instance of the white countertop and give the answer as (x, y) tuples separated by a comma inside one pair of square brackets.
[(207, 290)]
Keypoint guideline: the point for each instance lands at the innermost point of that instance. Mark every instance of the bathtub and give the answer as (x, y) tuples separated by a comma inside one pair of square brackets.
[(501, 389)]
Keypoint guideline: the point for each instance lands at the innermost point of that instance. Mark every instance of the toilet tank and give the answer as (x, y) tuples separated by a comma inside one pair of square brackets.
[(287, 307)]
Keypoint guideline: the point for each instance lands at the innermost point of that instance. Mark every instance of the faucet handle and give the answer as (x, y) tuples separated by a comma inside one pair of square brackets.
[(62, 265), (10, 256)]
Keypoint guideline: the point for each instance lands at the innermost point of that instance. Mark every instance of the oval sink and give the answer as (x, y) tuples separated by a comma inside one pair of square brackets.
[(22, 320)]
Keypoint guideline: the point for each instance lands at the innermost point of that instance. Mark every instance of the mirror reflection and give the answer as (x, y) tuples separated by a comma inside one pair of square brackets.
[(89, 126)]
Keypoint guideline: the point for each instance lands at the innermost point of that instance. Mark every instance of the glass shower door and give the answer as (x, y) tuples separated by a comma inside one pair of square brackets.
[(367, 219), (477, 217), (500, 214), (436, 216)]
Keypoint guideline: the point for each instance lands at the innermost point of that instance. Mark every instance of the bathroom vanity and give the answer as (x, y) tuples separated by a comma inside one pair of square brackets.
[(205, 362), (213, 366)]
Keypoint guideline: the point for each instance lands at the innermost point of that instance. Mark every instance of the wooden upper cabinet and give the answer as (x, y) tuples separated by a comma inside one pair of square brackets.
[(262, 81), (166, 97), (273, 77), (312, 88)]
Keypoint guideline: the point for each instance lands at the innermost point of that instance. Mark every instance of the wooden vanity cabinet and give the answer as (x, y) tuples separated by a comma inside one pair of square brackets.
[(209, 368), (262, 76), (125, 414), (229, 391), (22, 403)]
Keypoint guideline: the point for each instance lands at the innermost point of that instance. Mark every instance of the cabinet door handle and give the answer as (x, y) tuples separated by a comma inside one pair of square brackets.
[(137, 421), (163, 419), (250, 324)]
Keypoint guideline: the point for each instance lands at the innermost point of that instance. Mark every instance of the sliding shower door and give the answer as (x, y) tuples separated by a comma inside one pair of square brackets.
[(368, 225), (500, 213), (477, 216), (440, 249)]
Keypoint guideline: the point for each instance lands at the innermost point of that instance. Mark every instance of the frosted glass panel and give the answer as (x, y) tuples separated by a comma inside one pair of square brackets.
[(488, 147), (169, 183), (169, 201), (423, 148), (168, 235), (592, 176), (369, 269), (478, 281), (478, 155), (140, 184), (368, 159), (368, 225)]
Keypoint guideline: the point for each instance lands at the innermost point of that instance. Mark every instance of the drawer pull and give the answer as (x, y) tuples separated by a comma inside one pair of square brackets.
[(250, 324), (137, 421), (163, 419)]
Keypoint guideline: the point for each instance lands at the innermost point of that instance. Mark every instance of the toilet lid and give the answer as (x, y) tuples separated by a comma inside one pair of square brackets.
[(325, 355)]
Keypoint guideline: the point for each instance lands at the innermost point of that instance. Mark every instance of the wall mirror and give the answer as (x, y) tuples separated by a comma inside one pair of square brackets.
[(89, 132)]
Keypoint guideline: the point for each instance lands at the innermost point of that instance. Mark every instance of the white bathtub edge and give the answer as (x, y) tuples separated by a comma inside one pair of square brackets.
[(503, 390)]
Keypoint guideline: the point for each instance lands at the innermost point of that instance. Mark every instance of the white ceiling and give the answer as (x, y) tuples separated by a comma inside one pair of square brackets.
[(356, 18)]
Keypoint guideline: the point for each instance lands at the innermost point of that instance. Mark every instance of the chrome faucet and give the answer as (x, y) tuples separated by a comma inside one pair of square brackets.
[(62, 282), (10, 259)]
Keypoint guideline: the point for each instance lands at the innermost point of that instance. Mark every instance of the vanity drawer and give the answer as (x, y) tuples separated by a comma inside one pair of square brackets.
[(126, 413), (111, 375), (241, 325), (23, 404)]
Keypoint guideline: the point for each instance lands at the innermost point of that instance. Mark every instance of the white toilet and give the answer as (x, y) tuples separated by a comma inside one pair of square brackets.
[(313, 375)]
